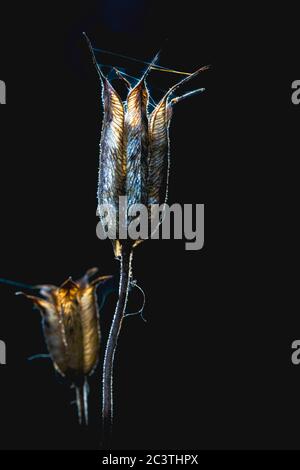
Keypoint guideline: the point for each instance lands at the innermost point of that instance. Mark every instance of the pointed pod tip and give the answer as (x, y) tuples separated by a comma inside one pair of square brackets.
[(69, 284), (205, 67), (101, 279), (105, 278), (100, 73), (156, 57), (149, 68), (91, 271)]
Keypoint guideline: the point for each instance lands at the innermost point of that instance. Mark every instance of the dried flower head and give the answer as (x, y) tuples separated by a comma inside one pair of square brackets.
[(134, 147), (71, 328)]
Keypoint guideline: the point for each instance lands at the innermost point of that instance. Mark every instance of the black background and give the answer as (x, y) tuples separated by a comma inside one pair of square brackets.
[(211, 368)]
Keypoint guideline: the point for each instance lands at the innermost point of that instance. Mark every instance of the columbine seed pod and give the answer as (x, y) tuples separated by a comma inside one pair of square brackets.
[(134, 149), (70, 321)]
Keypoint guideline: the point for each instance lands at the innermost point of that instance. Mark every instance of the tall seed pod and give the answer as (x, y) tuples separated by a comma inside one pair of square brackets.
[(134, 162), (70, 321)]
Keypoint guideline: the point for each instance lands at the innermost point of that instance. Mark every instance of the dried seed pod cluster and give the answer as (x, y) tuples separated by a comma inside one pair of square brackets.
[(134, 163), (134, 147)]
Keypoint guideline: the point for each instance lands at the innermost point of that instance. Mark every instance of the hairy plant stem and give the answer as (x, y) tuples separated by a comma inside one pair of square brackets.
[(82, 402), (107, 380)]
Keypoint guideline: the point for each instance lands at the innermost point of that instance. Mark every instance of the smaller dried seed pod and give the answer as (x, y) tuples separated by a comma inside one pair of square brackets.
[(70, 321)]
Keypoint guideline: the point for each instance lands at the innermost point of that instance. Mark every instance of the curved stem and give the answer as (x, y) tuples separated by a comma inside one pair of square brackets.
[(107, 380)]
